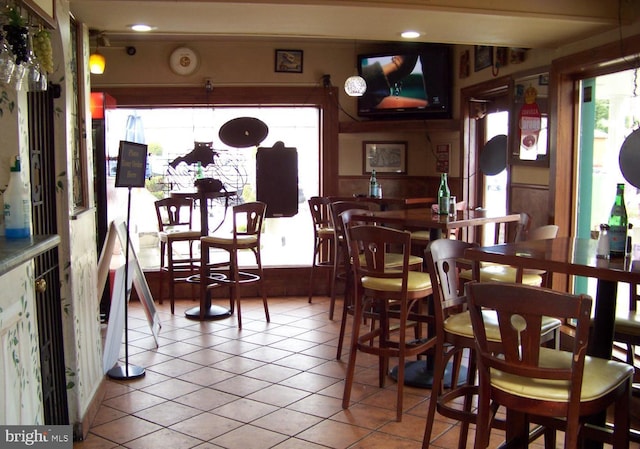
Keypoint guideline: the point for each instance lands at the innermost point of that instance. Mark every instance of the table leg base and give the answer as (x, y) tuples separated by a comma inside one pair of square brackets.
[(416, 374), (126, 372), (213, 313)]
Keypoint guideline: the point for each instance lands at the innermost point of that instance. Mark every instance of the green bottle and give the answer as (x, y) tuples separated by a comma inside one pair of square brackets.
[(199, 171), (618, 225), (443, 195), (373, 185)]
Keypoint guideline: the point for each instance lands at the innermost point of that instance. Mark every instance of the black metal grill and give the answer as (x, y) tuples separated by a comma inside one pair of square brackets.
[(48, 302)]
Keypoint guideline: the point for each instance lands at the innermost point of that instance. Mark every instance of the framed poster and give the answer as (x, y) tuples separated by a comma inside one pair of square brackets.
[(483, 57), (384, 157), (288, 61), (132, 164)]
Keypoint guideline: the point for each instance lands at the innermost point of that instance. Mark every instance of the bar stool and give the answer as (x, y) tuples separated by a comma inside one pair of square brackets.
[(392, 294), (247, 229), (174, 229), (323, 235)]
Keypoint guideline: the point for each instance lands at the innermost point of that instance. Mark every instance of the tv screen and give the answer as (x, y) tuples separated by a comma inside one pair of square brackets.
[(407, 82)]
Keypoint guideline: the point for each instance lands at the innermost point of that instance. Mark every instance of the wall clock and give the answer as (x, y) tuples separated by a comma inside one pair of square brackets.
[(183, 61)]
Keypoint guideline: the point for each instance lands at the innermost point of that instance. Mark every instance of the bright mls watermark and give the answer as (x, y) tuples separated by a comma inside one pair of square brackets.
[(37, 437)]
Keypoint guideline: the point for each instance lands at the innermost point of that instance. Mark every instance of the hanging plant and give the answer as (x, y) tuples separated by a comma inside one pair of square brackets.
[(16, 33)]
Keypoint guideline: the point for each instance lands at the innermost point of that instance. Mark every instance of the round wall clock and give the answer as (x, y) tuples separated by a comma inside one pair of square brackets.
[(183, 61)]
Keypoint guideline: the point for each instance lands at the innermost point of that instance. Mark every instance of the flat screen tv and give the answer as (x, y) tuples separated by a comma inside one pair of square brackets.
[(407, 82)]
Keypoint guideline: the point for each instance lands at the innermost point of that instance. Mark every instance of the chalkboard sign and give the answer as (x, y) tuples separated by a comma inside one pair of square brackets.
[(132, 164)]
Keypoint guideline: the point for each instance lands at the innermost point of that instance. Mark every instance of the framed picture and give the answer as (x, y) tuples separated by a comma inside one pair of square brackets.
[(483, 57), (384, 157), (289, 61)]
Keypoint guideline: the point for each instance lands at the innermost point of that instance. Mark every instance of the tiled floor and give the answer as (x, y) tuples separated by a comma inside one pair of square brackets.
[(271, 385)]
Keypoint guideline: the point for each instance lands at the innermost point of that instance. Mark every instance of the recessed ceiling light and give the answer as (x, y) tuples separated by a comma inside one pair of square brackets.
[(410, 34), (140, 27)]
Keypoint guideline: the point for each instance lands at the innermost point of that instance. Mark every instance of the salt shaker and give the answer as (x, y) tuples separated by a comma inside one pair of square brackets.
[(602, 250)]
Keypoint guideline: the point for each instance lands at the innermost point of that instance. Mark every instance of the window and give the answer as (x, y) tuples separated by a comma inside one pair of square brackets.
[(172, 132)]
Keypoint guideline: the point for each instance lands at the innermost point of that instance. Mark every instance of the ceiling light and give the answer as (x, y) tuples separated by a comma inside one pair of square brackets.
[(96, 64), (410, 34), (355, 86), (140, 27)]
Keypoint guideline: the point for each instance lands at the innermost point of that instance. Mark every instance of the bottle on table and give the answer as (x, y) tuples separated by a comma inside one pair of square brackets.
[(17, 206), (443, 195), (373, 185), (618, 225), (199, 171), (602, 250)]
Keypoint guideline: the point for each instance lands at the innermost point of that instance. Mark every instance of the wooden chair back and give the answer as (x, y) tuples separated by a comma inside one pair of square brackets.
[(319, 208), (174, 214), (248, 219), (520, 310)]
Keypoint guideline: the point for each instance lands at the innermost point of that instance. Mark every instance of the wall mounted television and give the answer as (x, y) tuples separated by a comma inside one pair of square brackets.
[(407, 82)]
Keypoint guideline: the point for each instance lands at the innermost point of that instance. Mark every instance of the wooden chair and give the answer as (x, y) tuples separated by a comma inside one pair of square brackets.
[(247, 229), (177, 238), (379, 288), (341, 270), (506, 273), (392, 260), (323, 235), (553, 387), (454, 334), (627, 326)]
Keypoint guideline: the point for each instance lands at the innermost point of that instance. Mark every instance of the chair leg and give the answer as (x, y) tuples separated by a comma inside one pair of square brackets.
[(162, 269), (235, 285), (351, 365), (334, 278), (263, 289), (171, 277), (316, 249), (436, 389)]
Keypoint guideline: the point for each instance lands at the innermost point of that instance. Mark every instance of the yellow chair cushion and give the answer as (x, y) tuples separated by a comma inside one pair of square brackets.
[(600, 377), (628, 323), (395, 260), (503, 273), (178, 235), (325, 232), (243, 240), (416, 281), (420, 236), (460, 324)]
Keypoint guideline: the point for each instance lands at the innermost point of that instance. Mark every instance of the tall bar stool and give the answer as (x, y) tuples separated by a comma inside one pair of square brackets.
[(393, 295), (177, 239), (247, 229), (323, 235), (454, 334)]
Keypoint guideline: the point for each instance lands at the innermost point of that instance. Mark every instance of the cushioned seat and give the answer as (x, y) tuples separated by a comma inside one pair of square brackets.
[(177, 238), (247, 229), (556, 388), (395, 294), (323, 235), (455, 334)]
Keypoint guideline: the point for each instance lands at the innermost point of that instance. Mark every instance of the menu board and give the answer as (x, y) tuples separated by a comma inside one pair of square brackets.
[(132, 164)]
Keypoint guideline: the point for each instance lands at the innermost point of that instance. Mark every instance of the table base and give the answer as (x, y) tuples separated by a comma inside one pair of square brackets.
[(416, 374), (213, 313)]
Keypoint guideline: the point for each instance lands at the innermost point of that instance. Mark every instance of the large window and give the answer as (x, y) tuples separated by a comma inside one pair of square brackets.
[(172, 132)]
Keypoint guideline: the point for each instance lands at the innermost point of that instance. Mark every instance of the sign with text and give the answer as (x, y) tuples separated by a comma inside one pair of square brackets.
[(132, 164)]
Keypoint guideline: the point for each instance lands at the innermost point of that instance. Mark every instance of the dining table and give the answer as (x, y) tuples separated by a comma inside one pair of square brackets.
[(419, 373), (202, 199), (572, 256)]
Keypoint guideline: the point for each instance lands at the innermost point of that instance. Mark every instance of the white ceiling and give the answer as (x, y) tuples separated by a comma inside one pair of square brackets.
[(511, 23)]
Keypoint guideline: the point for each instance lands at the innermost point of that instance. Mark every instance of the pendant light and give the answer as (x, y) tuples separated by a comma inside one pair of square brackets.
[(97, 61), (355, 86)]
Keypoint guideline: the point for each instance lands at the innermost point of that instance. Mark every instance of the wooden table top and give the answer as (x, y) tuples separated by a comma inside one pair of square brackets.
[(426, 219), (568, 255)]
